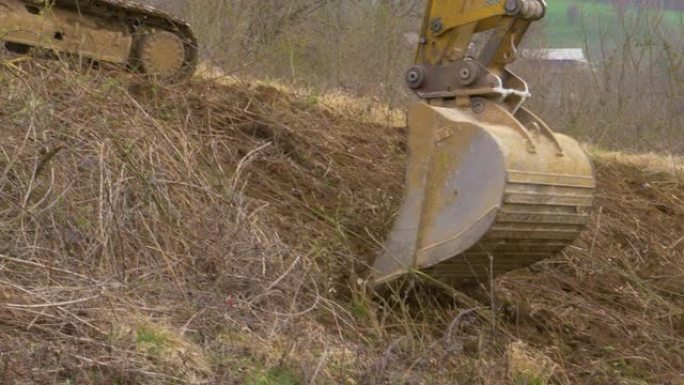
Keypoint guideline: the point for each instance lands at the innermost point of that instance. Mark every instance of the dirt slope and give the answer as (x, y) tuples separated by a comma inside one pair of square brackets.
[(213, 233)]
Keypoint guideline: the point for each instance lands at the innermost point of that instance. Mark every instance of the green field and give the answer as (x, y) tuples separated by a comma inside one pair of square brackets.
[(594, 19)]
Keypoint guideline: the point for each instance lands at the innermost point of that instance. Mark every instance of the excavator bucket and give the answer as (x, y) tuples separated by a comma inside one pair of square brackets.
[(486, 192)]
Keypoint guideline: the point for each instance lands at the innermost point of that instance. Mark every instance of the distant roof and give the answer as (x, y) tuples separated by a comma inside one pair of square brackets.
[(555, 54)]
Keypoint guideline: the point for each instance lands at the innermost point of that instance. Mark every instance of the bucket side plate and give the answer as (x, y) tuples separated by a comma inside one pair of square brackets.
[(455, 179)]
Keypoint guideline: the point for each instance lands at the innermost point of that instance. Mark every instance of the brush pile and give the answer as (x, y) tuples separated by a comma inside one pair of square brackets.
[(215, 233)]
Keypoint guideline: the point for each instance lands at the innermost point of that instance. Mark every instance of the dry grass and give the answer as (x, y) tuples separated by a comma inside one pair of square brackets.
[(649, 162), (213, 233)]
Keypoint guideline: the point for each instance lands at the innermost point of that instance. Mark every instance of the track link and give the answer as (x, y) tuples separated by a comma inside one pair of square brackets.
[(137, 36)]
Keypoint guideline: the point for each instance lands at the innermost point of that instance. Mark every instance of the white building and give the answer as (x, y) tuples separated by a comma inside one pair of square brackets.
[(561, 58)]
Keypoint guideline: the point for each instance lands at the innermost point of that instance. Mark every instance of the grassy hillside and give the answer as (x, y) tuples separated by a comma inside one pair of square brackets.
[(570, 21), (214, 233)]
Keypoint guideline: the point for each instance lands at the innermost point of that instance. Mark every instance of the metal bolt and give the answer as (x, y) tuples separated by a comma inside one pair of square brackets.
[(477, 106), (436, 25), (511, 6), (468, 72), (415, 77)]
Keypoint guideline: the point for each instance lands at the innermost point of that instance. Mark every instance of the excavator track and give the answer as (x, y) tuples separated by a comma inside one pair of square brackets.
[(136, 36)]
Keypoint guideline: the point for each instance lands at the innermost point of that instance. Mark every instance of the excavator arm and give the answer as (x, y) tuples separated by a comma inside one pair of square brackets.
[(449, 26), (465, 46), (489, 186)]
